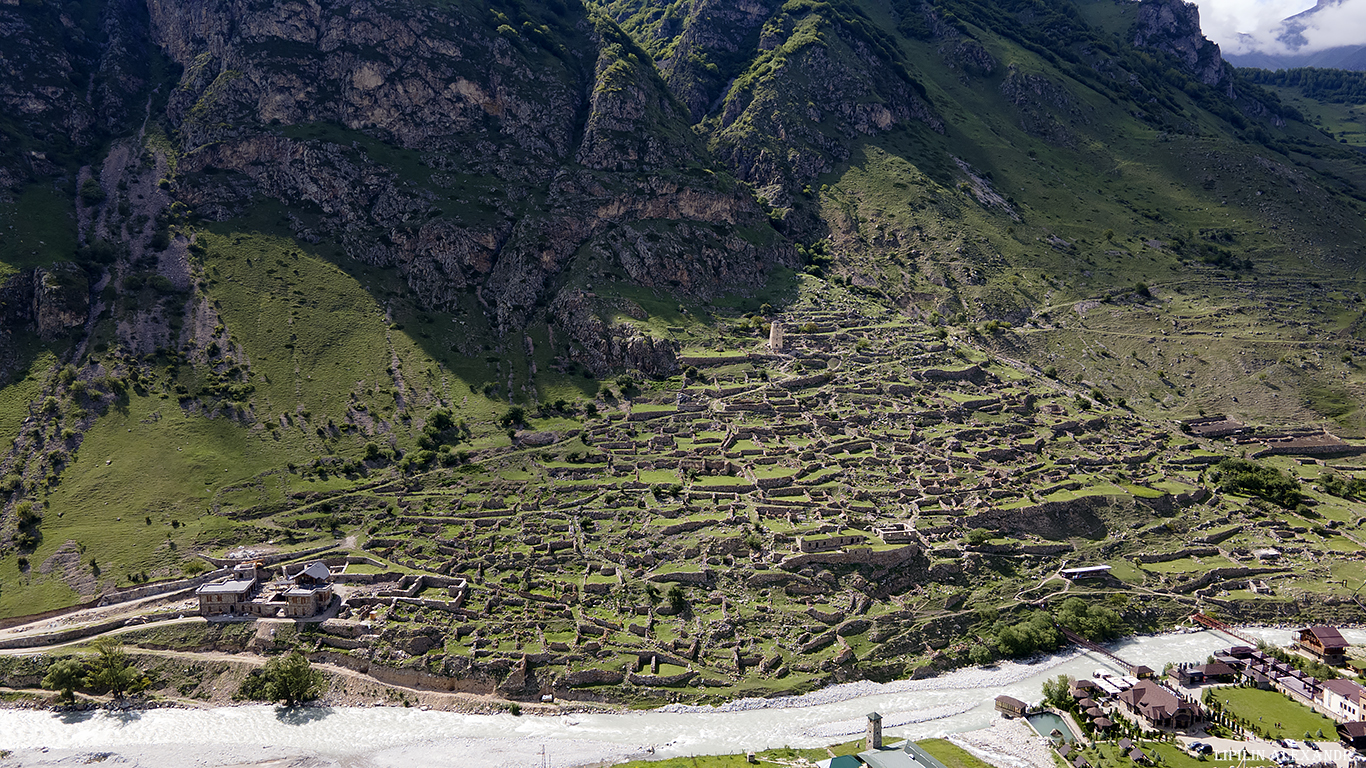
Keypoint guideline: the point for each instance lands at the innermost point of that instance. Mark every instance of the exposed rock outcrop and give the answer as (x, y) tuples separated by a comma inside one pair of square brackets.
[(705, 45), (61, 299), (1173, 26), (602, 346), (793, 115), (1045, 107), (461, 163), (71, 79)]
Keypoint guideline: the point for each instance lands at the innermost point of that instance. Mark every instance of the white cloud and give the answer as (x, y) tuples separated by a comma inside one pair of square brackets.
[(1239, 26), (1338, 25)]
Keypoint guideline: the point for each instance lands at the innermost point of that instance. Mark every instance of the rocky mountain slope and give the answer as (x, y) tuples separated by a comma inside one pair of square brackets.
[(255, 255)]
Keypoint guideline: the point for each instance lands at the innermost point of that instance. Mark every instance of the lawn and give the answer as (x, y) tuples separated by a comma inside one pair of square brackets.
[(1267, 709), (1187, 565), (950, 754)]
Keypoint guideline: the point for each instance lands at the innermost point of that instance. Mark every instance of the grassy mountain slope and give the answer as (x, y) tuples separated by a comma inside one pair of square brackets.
[(1072, 167)]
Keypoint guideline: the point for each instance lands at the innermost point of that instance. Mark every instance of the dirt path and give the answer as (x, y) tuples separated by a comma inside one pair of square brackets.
[(372, 690), (47, 648)]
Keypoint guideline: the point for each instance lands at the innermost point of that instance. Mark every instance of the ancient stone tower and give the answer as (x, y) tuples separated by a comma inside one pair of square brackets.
[(874, 730), (775, 336)]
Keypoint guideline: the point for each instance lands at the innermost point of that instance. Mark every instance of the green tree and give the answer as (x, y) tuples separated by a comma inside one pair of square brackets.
[(980, 655), (65, 676), (111, 669), (1055, 692), (91, 192), (977, 536), (292, 679), (1093, 622), (675, 597), (1252, 479), (1030, 636)]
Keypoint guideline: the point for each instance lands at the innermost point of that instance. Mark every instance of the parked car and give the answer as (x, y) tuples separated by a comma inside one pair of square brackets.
[(1199, 749)]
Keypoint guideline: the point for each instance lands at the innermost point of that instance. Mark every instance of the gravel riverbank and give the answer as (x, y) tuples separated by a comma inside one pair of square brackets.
[(957, 704)]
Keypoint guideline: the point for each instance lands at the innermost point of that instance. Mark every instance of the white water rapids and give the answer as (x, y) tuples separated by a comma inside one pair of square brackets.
[(954, 702)]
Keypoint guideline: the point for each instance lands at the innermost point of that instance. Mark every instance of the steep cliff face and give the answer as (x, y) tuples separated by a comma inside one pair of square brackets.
[(699, 45), (603, 346), (780, 90), (634, 121), (71, 74), (1173, 26), (822, 78), (478, 151), (420, 76), (61, 299)]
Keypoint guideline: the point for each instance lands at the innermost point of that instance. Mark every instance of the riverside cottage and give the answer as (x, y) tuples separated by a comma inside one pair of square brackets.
[(1324, 643)]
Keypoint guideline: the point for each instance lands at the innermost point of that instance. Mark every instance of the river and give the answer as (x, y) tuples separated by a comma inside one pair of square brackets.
[(954, 702)]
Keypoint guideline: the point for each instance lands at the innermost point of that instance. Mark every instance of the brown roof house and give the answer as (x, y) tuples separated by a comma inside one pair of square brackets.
[(1353, 734), (1160, 707), (1326, 643), (1011, 707), (1199, 674)]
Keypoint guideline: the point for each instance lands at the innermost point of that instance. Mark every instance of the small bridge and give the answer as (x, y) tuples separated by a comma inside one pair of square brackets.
[(1128, 667), (1219, 626)]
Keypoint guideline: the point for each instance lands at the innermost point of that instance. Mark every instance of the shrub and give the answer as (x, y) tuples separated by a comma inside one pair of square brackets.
[(514, 415), (980, 655), (26, 514), (675, 597), (91, 192)]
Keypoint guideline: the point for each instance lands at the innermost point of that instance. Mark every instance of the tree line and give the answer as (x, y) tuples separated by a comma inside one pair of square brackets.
[(1335, 86)]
